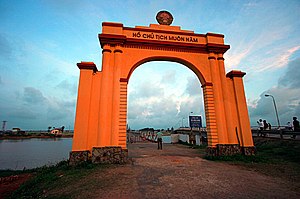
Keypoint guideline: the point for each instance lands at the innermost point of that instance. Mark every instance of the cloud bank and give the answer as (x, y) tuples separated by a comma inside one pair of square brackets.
[(287, 98)]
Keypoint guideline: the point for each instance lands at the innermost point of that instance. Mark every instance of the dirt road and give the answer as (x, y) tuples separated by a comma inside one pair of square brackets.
[(178, 171)]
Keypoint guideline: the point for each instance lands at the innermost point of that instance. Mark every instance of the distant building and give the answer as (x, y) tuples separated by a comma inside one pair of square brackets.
[(17, 131), (57, 132)]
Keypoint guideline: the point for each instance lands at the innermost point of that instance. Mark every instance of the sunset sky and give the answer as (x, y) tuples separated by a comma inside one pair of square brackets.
[(41, 42)]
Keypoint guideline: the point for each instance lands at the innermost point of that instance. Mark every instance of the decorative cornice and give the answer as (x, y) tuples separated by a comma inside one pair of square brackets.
[(221, 58), (121, 40), (87, 66), (217, 48), (211, 57), (235, 73), (112, 24), (111, 39), (165, 47), (214, 34), (164, 31)]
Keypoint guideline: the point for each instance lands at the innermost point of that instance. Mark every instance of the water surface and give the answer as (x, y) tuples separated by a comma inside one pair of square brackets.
[(32, 153)]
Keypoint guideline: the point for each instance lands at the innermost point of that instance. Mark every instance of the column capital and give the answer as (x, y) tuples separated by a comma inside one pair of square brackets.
[(106, 48), (111, 39), (118, 49), (235, 73), (87, 66)]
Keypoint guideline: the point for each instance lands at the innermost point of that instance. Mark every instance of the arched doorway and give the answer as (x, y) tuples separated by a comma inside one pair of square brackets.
[(164, 97), (101, 110)]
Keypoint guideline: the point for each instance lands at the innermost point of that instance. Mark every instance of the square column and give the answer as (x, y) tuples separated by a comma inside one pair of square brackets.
[(80, 139), (242, 120)]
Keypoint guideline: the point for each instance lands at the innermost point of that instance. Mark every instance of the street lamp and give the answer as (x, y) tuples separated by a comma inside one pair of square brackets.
[(268, 95)]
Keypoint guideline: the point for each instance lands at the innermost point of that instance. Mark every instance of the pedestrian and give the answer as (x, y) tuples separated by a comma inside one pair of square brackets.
[(192, 137), (266, 126), (260, 126), (270, 126), (296, 126), (159, 140), (289, 126)]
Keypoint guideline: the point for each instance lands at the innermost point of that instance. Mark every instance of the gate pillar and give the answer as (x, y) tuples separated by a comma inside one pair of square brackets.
[(210, 115), (240, 117), (218, 100), (232, 139), (105, 119)]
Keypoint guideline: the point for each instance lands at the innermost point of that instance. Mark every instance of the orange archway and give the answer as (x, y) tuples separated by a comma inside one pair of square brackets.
[(101, 112)]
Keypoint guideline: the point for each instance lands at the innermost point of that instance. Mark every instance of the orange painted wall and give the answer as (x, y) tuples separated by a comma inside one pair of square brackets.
[(101, 111)]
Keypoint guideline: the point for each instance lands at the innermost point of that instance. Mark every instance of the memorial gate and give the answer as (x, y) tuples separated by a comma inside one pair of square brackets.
[(101, 112)]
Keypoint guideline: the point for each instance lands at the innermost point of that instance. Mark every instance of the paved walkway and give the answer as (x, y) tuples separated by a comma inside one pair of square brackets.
[(178, 171)]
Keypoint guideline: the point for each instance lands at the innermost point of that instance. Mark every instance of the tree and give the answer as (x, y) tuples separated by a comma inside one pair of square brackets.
[(49, 128)]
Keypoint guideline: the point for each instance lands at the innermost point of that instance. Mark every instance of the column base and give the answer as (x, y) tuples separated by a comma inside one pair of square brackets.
[(109, 155), (229, 150), (77, 157), (100, 155), (250, 150)]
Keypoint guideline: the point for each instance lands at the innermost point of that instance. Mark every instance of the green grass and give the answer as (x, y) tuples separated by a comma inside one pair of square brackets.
[(53, 177), (268, 151), (276, 158), (278, 150)]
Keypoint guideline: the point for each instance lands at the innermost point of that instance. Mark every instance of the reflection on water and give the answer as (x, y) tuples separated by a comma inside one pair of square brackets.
[(32, 153)]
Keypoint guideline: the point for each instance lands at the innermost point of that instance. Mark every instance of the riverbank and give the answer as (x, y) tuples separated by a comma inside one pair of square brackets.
[(30, 136), (177, 171)]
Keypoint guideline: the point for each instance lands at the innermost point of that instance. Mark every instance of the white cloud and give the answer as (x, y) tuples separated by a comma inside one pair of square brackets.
[(287, 97), (164, 101)]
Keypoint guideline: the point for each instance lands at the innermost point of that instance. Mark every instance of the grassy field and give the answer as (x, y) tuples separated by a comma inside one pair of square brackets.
[(275, 158)]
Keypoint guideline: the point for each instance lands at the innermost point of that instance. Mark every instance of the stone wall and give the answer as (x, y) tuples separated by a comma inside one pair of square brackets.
[(109, 155), (229, 149), (100, 155), (249, 150), (77, 157)]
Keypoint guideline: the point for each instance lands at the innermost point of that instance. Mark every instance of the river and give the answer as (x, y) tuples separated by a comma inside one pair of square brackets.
[(32, 153)]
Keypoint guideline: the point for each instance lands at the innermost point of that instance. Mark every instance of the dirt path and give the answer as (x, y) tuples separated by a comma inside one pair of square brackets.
[(178, 171)]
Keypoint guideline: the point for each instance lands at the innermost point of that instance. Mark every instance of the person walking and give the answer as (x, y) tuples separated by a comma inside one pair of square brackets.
[(289, 126), (159, 140), (266, 126), (296, 126), (260, 126), (192, 138)]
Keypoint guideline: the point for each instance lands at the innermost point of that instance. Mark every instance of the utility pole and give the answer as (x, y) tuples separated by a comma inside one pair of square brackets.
[(275, 107), (4, 125)]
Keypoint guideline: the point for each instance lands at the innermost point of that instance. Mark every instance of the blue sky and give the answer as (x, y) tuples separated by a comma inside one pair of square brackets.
[(41, 42)]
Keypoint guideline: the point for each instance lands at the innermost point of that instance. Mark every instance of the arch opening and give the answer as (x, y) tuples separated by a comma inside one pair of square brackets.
[(169, 59), (162, 94)]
